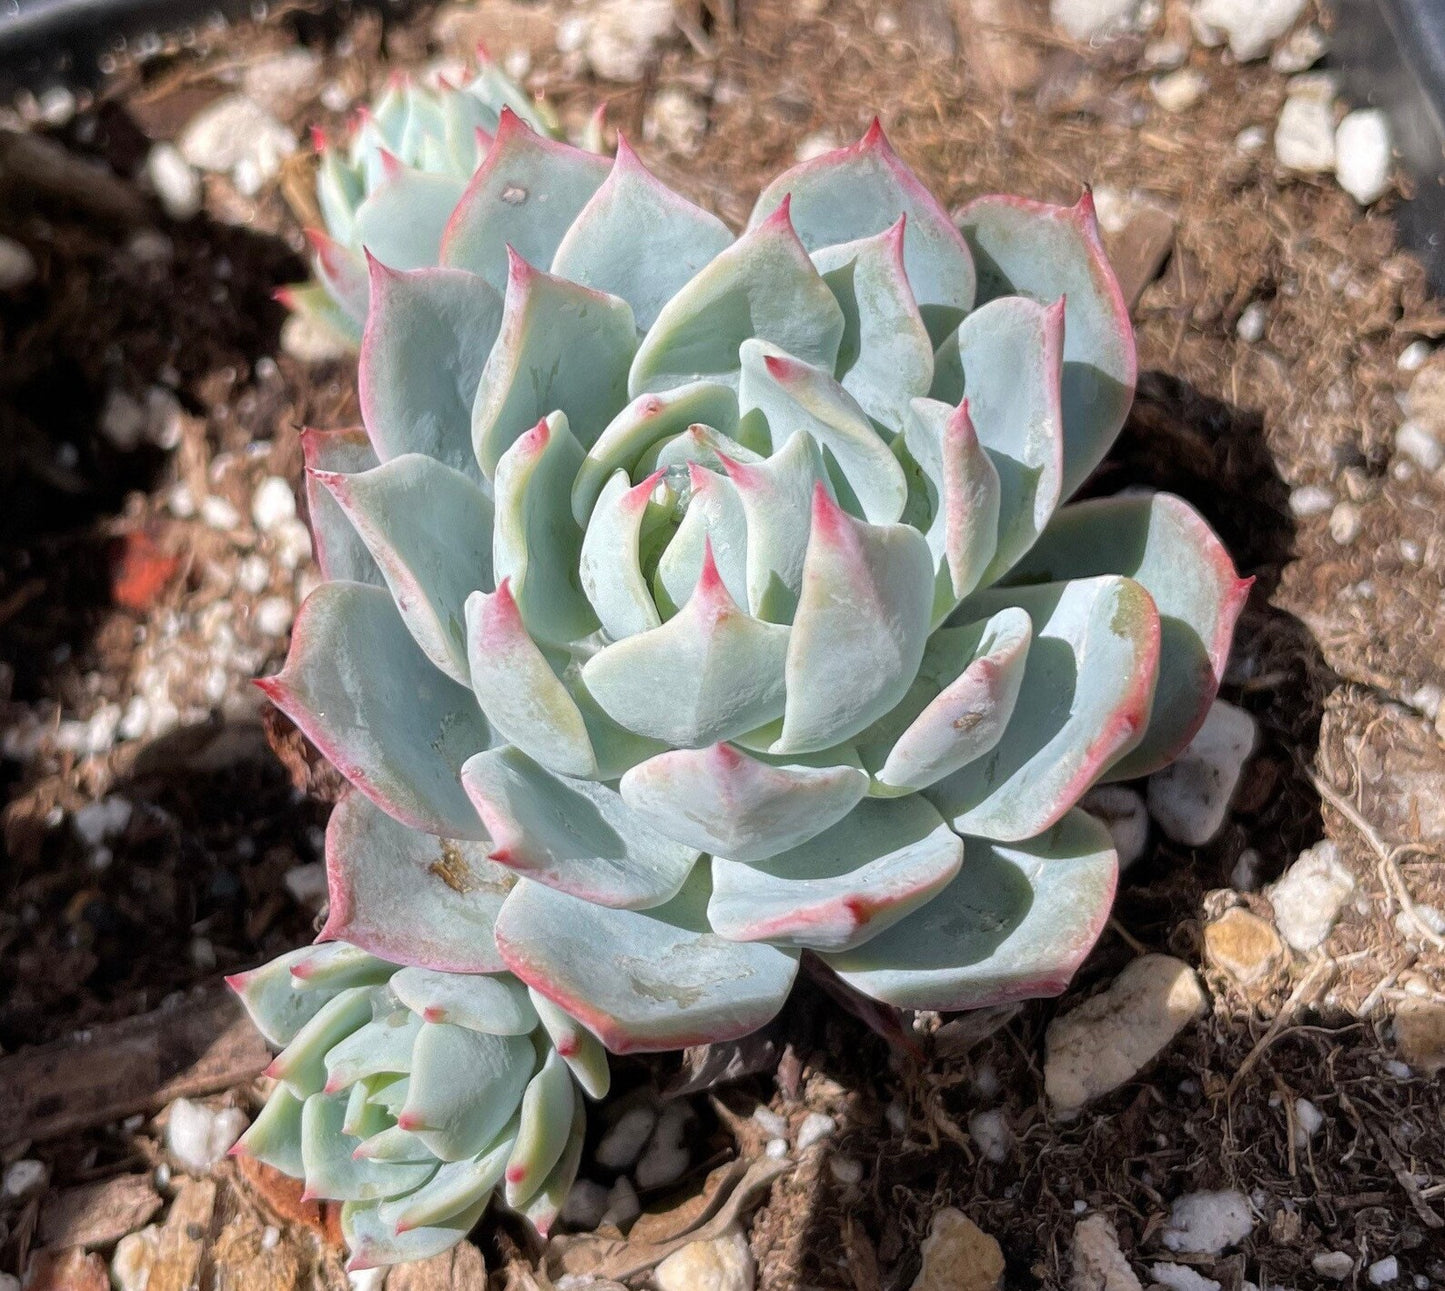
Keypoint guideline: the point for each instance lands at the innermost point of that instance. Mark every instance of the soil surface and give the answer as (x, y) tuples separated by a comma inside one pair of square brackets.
[(154, 840)]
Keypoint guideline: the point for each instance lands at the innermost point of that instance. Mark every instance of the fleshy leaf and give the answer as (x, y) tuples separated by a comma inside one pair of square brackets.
[(521, 695), (302, 1063), (714, 517), (360, 688), (580, 1049), (280, 1004), (383, 1047), (1047, 252), (331, 1170), (374, 1243), (410, 896), (1014, 925), (429, 529), (562, 348), (464, 1085), (643, 980), (549, 1104), (842, 887), (496, 1005), (1162, 543), (274, 1137), (707, 674), (886, 356), (342, 272), (454, 1189), (794, 397), (722, 801), (340, 553), (860, 629), (1006, 359), (546, 1204), (1087, 688), (536, 543), (762, 286), (525, 194), (610, 565), (639, 240), (401, 220), (575, 835), (426, 341), (862, 190)]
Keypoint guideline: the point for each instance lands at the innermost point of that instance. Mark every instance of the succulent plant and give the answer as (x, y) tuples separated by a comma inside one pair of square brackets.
[(412, 1096), (720, 592), (391, 185)]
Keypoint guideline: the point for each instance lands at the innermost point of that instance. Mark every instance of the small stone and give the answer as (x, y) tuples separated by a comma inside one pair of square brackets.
[(309, 340), (1383, 1272), (1122, 812), (770, 1122), (283, 80), (1335, 1265), (1308, 1120), (177, 185), (1099, 1264), (1086, 20), (24, 1178), (1413, 356), (122, 420), (958, 1256), (253, 574), (846, 1170), (219, 514), (1252, 322), (107, 818), (1243, 945), (1112, 1035), (622, 1204), (776, 1149), (1165, 55), (677, 120), (1190, 797), (17, 266), (623, 1143), (815, 1128), (1304, 137), (1345, 523), (197, 1136), (1251, 140), (1206, 1223), (307, 885), (1420, 446), (1310, 500), (723, 1264), (57, 106), (622, 37), (66, 1270), (1420, 1034), (1250, 26), (235, 134), (1244, 877), (990, 1130), (293, 543), (1180, 1277), (272, 503), (1362, 155), (1299, 51), (274, 615), (1309, 896), (667, 1157), (1179, 91), (585, 1205), (815, 145)]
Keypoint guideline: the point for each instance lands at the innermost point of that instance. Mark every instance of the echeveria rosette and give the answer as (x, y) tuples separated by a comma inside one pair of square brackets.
[(391, 185), (720, 590), (413, 1096)]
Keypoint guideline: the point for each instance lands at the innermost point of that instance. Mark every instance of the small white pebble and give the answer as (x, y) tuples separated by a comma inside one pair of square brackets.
[(1179, 91), (985, 1080), (273, 616), (218, 513), (1335, 1265), (17, 266), (1310, 500), (270, 1236), (1309, 1119), (623, 1143), (1362, 155), (777, 1149), (107, 818), (176, 183), (1345, 523), (1420, 446), (990, 1130), (253, 574), (24, 1178), (198, 1137), (846, 1170), (667, 1157), (896, 1117), (1383, 1272), (181, 502), (272, 503), (1252, 322), (814, 146), (122, 420), (307, 885), (293, 543), (770, 1122), (622, 1204), (1399, 1070), (1412, 357), (1251, 139), (815, 1128)]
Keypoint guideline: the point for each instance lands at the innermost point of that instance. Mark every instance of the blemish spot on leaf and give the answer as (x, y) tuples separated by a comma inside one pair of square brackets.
[(514, 194)]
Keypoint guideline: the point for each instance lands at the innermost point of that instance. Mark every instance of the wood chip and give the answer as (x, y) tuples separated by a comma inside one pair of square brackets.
[(71, 1270), (459, 1269), (205, 1044), (98, 1214)]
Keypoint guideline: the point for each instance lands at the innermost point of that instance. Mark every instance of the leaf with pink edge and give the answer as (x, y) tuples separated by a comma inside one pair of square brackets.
[(1084, 701), (1047, 252), (340, 553), (547, 1202), (273, 997), (363, 692), (374, 1242), (639, 240), (580, 1049), (330, 1169), (464, 1085), (454, 1189), (549, 1105), (1162, 543), (342, 272), (1014, 925), (426, 341), (401, 221), (842, 887), (643, 980)]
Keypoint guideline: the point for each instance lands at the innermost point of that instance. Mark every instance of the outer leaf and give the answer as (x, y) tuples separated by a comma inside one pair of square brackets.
[(1047, 252), (862, 190), (342, 272), (575, 835), (1014, 925), (562, 348), (1086, 694), (274, 1137), (1162, 543), (429, 529), (401, 220), (639, 240), (279, 1004), (464, 1085), (427, 338), (707, 674), (842, 887), (860, 629), (580, 1049), (374, 1242), (721, 801), (340, 553), (302, 1063), (886, 356), (331, 1170), (383, 1047), (496, 1005), (762, 286), (453, 1190), (542, 1210), (549, 1106), (1007, 358), (794, 396), (522, 199), (536, 543), (359, 687), (410, 896), (643, 981)]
